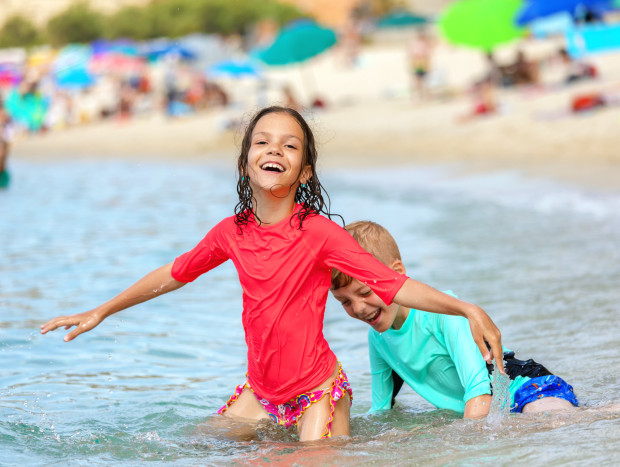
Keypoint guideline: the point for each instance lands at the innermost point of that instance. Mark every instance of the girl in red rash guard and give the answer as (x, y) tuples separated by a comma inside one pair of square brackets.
[(284, 250)]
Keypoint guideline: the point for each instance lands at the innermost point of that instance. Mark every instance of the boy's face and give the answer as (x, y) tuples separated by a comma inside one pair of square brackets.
[(360, 302)]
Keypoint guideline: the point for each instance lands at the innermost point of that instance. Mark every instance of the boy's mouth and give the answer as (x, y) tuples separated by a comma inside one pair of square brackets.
[(372, 318), (272, 167)]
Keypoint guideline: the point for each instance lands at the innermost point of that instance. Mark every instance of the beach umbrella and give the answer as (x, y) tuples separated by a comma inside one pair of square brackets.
[(535, 9), (480, 24), (159, 48), (9, 76), (559, 23), (119, 47), (70, 68), (593, 38), (114, 62), (400, 18), (233, 69), (297, 42)]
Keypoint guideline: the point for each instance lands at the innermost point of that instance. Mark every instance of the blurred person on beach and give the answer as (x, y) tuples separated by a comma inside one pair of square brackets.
[(5, 136), (284, 245), (435, 354), (351, 39), (26, 106), (484, 102), (576, 70), (420, 54), (518, 73), (290, 100)]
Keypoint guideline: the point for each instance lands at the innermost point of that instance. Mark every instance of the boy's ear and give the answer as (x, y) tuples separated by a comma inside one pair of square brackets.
[(398, 266)]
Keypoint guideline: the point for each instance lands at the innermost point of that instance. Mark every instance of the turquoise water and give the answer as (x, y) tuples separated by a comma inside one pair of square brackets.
[(543, 259)]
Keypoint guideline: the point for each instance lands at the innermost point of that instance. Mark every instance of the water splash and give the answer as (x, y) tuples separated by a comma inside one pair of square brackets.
[(500, 403)]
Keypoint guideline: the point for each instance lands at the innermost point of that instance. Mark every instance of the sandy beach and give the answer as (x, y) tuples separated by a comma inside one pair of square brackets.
[(372, 120)]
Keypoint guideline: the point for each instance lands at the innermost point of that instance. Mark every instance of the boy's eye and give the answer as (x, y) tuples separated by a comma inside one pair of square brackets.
[(345, 303), (366, 293), (290, 146)]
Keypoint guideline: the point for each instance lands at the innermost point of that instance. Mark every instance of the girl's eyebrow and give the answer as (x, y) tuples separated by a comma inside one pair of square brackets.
[(265, 133)]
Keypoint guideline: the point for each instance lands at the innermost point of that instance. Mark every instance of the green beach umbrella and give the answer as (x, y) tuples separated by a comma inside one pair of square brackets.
[(481, 24), (297, 43)]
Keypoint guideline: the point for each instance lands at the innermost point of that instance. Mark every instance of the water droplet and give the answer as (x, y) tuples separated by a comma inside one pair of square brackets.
[(374, 281)]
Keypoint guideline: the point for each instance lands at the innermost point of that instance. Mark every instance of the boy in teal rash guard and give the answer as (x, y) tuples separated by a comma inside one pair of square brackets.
[(435, 354)]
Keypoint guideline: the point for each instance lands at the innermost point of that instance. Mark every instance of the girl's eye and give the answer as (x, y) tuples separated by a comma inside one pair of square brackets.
[(261, 142), (366, 293), (290, 146), (345, 303)]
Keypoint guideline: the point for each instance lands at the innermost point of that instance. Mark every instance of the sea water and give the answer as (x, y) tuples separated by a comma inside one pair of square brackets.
[(542, 258)]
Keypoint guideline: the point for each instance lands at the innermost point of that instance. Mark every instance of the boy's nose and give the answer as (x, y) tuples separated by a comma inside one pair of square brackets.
[(358, 307)]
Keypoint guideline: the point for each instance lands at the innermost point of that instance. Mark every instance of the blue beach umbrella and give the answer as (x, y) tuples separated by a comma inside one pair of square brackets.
[(233, 69), (400, 18), (535, 9), (70, 68), (296, 43), (120, 46), (159, 48)]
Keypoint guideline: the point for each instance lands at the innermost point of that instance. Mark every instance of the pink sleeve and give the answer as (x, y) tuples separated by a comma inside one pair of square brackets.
[(207, 255), (342, 252)]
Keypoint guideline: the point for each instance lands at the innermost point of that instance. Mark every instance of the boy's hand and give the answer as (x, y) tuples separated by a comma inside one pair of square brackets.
[(484, 331), (83, 321)]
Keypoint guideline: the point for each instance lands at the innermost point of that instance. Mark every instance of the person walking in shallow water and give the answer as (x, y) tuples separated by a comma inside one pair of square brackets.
[(284, 250)]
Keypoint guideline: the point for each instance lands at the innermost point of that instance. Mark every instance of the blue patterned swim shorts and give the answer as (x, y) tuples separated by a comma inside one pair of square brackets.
[(543, 386)]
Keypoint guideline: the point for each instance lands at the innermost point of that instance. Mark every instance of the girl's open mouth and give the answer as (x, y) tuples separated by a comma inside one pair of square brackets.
[(272, 167)]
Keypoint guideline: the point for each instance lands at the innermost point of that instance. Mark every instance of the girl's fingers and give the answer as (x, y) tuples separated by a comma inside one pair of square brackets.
[(62, 321)]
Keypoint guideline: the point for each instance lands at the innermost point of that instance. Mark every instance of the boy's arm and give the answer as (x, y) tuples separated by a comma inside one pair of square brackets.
[(415, 294), (381, 381), (157, 282), (470, 367)]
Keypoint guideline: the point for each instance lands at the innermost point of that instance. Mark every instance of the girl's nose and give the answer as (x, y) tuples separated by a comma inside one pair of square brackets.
[(274, 149)]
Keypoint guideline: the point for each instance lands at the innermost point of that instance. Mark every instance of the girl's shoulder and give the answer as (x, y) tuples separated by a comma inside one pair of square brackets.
[(321, 224)]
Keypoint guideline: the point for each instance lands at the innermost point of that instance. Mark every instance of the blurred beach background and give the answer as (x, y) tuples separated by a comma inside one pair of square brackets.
[(483, 133)]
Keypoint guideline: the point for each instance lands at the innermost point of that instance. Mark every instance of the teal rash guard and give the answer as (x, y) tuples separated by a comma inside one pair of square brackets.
[(436, 356)]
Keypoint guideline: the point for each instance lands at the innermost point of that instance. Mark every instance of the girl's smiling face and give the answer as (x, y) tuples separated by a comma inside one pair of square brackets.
[(276, 156)]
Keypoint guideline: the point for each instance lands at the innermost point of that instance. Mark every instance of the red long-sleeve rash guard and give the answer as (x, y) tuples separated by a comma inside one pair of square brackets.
[(285, 274)]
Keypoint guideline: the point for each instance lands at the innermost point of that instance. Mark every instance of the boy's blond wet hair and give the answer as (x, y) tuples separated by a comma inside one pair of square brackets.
[(373, 238)]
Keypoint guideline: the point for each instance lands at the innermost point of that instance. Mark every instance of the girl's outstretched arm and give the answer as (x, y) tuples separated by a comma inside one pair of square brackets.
[(155, 283), (417, 295)]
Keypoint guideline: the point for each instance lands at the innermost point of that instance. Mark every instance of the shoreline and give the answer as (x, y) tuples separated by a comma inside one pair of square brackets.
[(479, 147)]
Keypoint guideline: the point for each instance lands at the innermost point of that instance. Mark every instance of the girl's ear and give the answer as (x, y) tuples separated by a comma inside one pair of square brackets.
[(398, 266), (306, 174)]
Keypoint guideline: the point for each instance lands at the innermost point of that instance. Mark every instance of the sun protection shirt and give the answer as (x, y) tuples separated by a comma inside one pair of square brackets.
[(436, 356), (285, 274)]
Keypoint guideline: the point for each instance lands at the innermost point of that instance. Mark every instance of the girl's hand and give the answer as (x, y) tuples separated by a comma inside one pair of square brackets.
[(83, 321), (484, 331)]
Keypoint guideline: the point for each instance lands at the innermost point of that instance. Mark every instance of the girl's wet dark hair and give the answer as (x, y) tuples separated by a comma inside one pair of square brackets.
[(311, 195)]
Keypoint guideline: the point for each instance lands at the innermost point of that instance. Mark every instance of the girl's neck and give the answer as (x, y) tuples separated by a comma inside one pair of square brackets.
[(271, 211)]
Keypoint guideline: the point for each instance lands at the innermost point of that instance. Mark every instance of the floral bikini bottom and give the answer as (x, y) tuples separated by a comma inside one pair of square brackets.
[(289, 413)]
